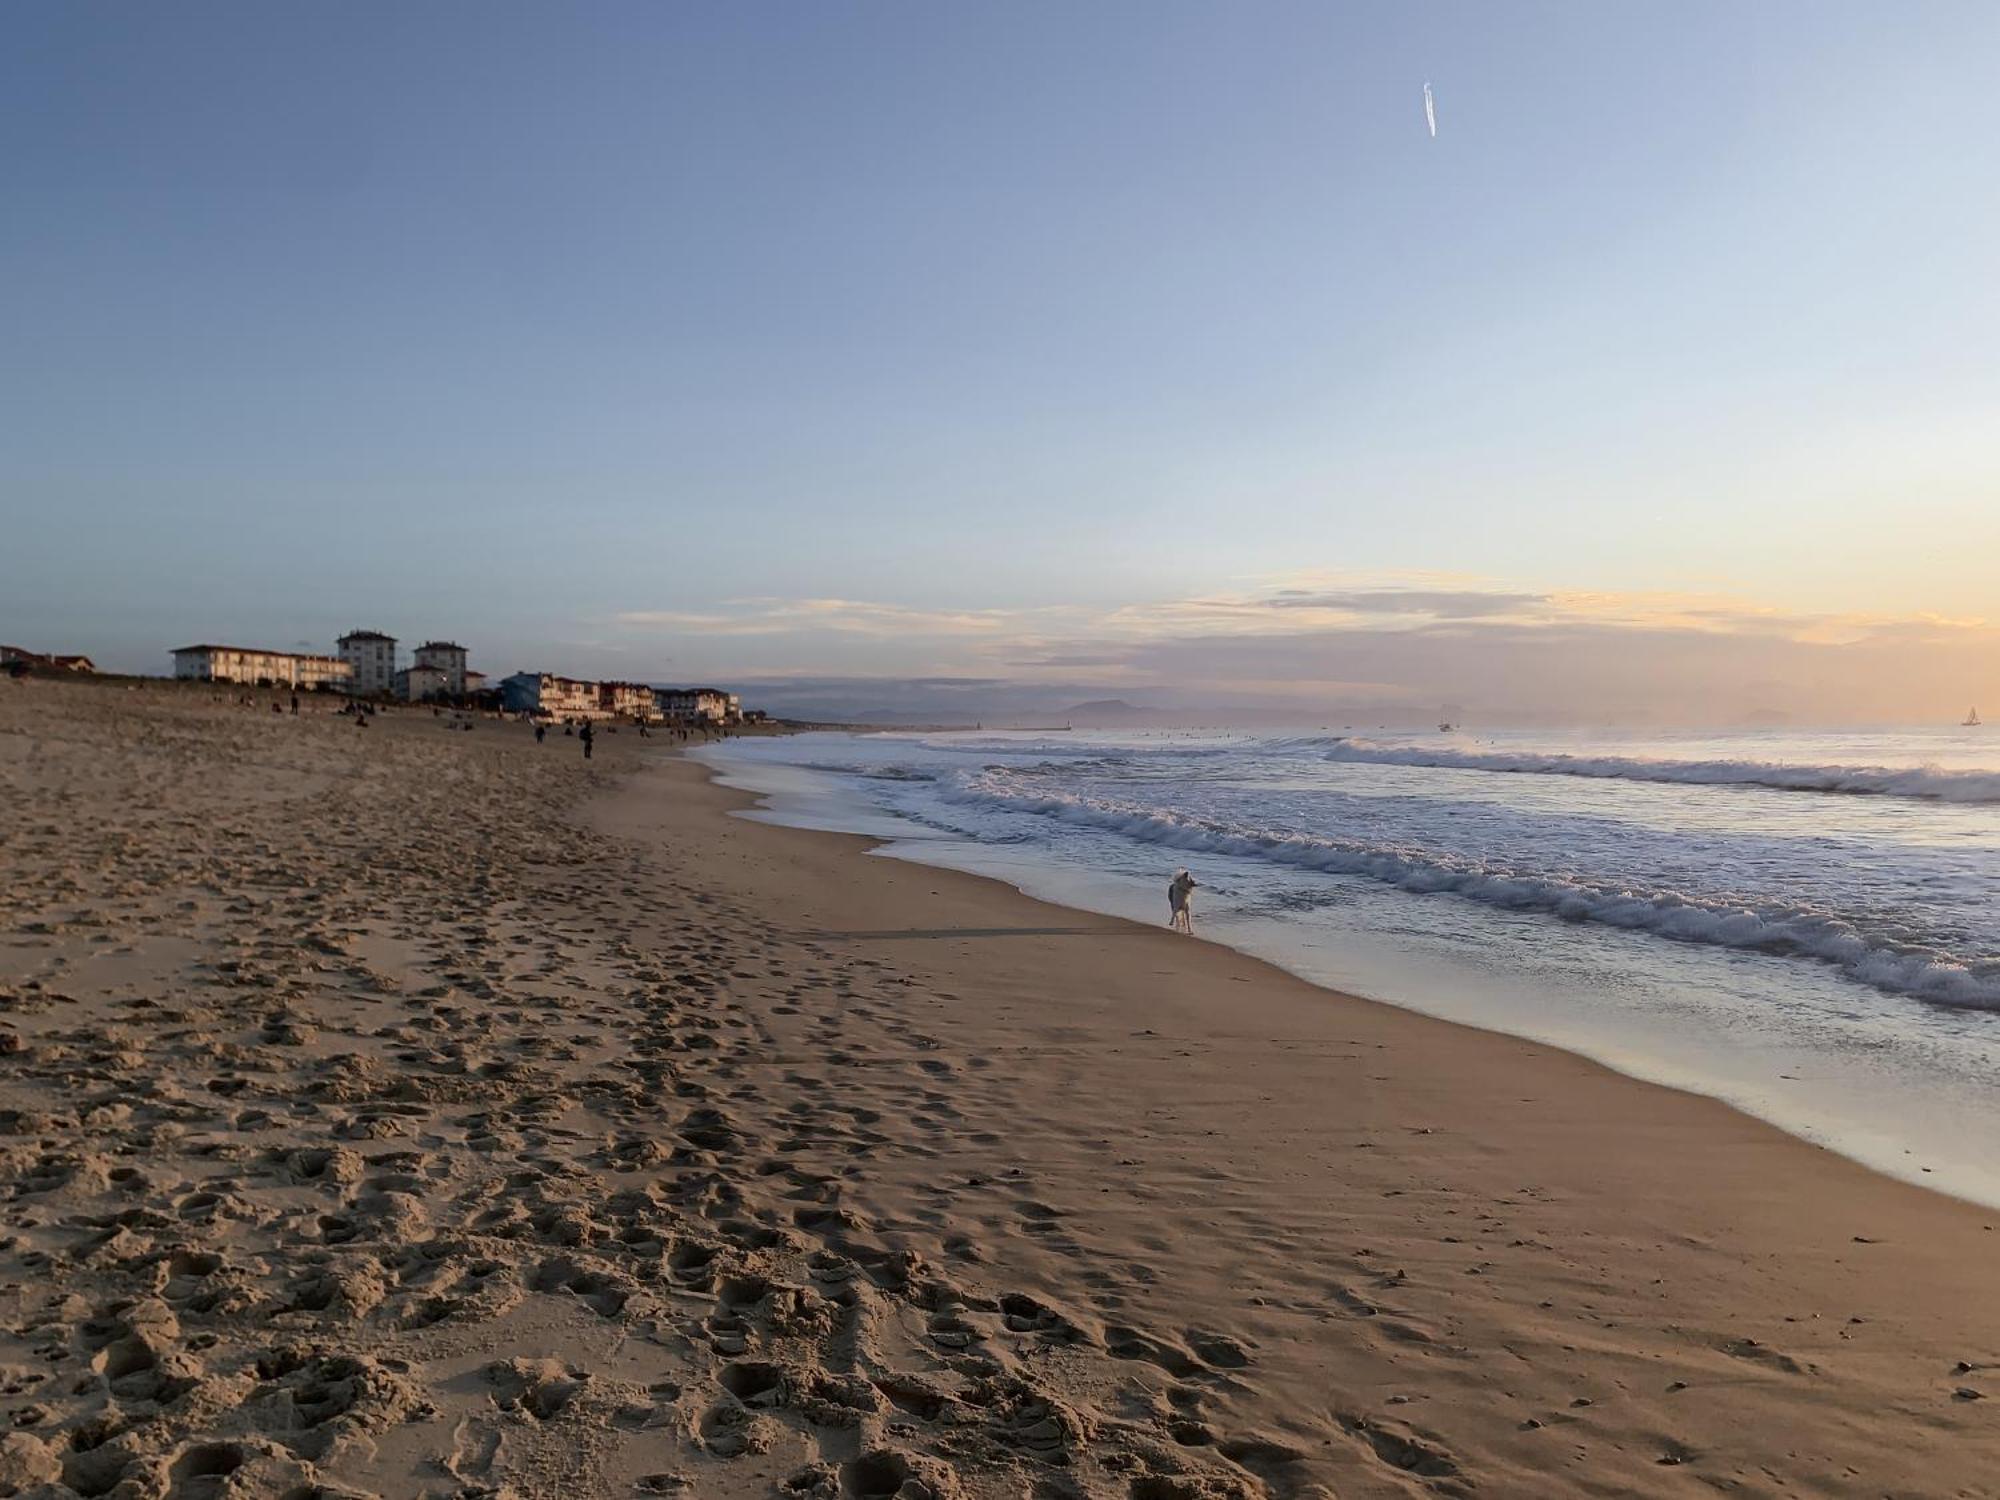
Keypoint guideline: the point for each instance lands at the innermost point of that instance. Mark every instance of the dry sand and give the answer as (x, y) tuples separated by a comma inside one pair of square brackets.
[(411, 1113)]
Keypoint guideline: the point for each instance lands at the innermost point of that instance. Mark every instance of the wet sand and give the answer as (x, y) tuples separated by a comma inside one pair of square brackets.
[(407, 1112)]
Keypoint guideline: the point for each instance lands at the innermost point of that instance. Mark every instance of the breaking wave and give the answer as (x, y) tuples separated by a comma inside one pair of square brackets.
[(1882, 955), (1929, 783), (1075, 752), (879, 773)]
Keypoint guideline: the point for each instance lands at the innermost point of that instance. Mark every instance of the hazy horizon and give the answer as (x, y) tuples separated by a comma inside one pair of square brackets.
[(946, 361)]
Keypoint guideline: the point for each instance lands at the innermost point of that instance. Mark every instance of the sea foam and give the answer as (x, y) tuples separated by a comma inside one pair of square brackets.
[(1929, 783), (1882, 955)]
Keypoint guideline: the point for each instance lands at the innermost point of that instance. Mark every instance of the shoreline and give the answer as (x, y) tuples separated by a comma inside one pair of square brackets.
[(402, 1113), (1787, 1240), (756, 808), (1753, 1071)]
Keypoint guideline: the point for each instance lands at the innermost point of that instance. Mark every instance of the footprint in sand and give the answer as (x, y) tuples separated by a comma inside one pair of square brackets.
[(729, 1430), (728, 1333), (910, 1393), (1401, 1448), (887, 1475), (1216, 1349), (1129, 1343), (757, 1386), (1021, 1313)]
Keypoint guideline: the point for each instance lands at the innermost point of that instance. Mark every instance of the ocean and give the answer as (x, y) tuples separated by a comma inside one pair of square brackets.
[(1806, 925)]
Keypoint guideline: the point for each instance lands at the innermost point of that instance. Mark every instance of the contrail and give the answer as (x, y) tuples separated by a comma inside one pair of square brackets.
[(1430, 110)]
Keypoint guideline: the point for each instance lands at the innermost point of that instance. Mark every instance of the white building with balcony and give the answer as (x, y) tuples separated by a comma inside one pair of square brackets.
[(698, 705), (371, 656), (547, 695), (447, 657), (246, 664), (420, 684)]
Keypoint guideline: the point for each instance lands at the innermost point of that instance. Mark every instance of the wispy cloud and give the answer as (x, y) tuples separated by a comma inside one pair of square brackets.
[(1320, 638), (767, 616), (1462, 604)]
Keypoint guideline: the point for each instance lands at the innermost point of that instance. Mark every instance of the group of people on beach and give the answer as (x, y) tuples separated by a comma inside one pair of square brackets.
[(585, 734)]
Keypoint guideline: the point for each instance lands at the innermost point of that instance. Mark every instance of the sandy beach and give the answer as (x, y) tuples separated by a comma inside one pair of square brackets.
[(406, 1112)]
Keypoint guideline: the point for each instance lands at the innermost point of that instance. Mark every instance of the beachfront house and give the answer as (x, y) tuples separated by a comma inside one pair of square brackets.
[(548, 696), (447, 657), (420, 684), (627, 700), (704, 706), (371, 659), (208, 663), (15, 658)]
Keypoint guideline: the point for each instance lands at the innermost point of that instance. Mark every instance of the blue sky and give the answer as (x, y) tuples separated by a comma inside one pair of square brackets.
[(897, 340)]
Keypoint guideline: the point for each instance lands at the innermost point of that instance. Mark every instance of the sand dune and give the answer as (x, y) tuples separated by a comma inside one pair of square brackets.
[(400, 1112)]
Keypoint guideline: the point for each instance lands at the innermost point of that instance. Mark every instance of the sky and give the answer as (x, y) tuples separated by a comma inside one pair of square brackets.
[(905, 354)]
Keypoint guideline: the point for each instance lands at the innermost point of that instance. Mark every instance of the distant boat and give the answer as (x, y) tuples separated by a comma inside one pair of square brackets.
[(1445, 726), (1971, 719)]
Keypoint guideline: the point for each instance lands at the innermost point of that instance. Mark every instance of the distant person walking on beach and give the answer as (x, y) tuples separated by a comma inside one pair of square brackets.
[(1180, 903), (587, 737), (540, 730)]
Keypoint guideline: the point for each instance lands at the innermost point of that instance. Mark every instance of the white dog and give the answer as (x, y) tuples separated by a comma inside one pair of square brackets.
[(1180, 903)]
